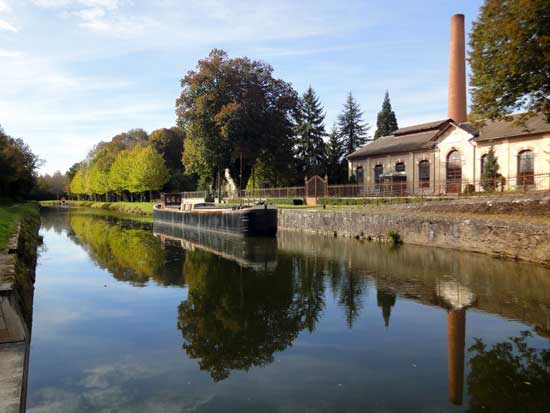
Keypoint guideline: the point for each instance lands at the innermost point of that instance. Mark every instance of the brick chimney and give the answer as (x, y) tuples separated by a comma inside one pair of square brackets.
[(457, 71)]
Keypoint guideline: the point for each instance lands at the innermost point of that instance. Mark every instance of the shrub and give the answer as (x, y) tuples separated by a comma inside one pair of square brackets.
[(394, 236)]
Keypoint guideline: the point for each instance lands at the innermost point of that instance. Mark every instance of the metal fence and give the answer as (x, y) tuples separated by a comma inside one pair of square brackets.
[(385, 188)]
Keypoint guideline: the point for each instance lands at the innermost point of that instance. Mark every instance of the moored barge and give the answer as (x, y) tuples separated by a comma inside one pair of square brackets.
[(255, 220)]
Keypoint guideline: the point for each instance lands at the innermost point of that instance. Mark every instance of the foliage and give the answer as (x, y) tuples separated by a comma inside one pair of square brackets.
[(169, 143), (237, 318), (310, 131), (231, 108), (50, 186), (148, 171), (352, 128), (18, 167), (508, 377), (386, 122), (489, 175), (10, 215), (394, 236), (128, 164), (336, 164), (510, 58)]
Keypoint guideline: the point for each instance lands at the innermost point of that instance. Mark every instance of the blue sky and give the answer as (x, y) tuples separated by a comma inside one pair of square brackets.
[(75, 72)]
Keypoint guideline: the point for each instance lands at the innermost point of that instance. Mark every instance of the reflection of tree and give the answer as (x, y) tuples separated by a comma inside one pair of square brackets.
[(351, 290), (386, 300), (509, 377), (235, 318), (130, 254)]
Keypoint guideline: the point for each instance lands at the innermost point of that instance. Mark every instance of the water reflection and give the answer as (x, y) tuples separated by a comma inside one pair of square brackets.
[(246, 302)]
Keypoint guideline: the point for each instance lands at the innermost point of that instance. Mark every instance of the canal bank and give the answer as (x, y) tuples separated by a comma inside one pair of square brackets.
[(17, 269), (482, 226)]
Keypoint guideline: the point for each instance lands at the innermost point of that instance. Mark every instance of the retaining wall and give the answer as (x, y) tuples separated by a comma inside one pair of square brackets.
[(512, 239), (17, 266)]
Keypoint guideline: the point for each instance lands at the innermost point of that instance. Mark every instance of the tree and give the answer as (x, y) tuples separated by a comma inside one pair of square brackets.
[(18, 166), (510, 58), (509, 376), (77, 185), (310, 131), (232, 109), (336, 168), (490, 175), (352, 128), (148, 171), (119, 174), (169, 143), (386, 122)]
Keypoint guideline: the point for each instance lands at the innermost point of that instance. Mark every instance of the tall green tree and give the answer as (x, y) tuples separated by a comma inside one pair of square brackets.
[(232, 109), (310, 131), (353, 129), (386, 122), (490, 175), (148, 170), (119, 174), (510, 58), (169, 143), (336, 167), (18, 167)]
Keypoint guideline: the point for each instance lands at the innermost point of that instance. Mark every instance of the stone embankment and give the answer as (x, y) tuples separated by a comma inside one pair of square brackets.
[(17, 266), (508, 230)]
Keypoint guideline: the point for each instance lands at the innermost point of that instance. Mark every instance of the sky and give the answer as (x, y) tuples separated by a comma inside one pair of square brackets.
[(76, 72)]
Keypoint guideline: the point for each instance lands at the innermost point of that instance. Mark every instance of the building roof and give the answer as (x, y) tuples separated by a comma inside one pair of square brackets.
[(514, 127), (411, 138), (421, 127), (424, 136)]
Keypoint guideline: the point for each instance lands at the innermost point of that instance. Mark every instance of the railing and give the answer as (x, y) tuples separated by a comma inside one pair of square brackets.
[(523, 184)]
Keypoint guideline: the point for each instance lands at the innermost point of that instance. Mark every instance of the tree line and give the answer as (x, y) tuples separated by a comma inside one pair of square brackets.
[(18, 167), (232, 113)]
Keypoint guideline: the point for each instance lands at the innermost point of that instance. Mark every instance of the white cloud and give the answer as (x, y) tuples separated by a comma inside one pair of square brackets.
[(4, 6), (4, 25), (10, 53)]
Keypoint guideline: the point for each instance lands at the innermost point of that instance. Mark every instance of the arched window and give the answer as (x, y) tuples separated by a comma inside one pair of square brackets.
[(454, 172), (424, 174), (378, 170), (482, 164), (400, 167), (526, 168), (359, 175)]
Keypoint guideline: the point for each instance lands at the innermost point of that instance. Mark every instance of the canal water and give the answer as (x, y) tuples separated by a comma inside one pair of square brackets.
[(129, 317)]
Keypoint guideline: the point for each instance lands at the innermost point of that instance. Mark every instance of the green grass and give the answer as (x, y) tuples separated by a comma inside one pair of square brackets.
[(133, 208), (10, 214)]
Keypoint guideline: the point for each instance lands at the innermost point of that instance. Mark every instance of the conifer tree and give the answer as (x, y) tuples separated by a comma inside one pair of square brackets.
[(335, 154), (310, 130), (386, 122), (352, 128), (490, 175)]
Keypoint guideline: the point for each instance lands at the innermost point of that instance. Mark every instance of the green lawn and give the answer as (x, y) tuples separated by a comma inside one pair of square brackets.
[(10, 214), (135, 208)]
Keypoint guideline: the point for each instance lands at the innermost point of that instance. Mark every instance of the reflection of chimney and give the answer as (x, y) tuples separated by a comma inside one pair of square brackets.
[(456, 333), (457, 71)]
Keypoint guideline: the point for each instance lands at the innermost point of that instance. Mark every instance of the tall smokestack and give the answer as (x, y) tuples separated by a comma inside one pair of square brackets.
[(457, 71)]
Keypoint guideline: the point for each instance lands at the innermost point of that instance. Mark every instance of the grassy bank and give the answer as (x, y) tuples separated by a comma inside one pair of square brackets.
[(134, 208), (10, 215)]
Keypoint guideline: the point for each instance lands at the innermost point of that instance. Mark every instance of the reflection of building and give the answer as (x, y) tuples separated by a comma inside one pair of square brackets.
[(386, 300), (457, 297), (447, 155)]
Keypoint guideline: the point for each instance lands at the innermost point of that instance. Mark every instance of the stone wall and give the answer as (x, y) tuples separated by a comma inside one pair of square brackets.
[(17, 267), (515, 239)]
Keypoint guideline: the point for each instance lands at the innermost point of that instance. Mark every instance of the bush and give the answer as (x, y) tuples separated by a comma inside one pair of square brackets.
[(394, 236), (469, 189)]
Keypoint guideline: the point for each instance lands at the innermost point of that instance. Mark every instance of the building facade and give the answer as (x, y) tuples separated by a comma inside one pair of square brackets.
[(447, 157)]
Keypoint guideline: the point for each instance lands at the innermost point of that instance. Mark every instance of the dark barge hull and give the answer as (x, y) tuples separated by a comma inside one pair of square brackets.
[(258, 220)]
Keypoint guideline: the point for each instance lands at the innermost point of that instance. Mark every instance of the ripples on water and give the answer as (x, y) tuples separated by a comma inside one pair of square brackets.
[(131, 318)]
